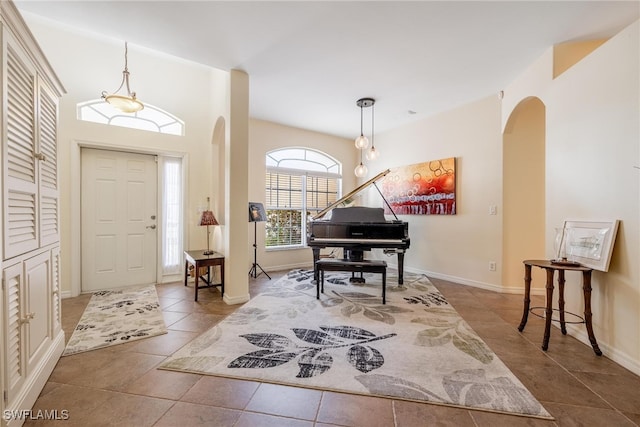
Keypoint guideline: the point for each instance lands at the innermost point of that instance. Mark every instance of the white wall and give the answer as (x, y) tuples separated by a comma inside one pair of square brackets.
[(266, 136), (592, 155), (87, 65), (456, 247)]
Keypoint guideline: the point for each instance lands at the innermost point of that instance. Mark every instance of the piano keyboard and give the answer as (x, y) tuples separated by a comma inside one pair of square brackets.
[(347, 241)]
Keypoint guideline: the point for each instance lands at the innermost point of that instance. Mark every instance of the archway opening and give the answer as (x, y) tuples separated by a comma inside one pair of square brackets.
[(523, 190)]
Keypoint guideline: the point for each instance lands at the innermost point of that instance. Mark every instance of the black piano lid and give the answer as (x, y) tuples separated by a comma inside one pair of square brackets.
[(343, 200)]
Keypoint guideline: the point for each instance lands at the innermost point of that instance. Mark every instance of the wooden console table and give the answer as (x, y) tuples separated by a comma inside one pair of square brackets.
[(551, 268), (199, 259)]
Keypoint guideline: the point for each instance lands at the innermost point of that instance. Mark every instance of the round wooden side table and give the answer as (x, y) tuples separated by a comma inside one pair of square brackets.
[(551, 268)]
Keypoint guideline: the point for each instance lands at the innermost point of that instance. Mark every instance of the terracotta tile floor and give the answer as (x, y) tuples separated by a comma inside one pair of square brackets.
[(120, 386)]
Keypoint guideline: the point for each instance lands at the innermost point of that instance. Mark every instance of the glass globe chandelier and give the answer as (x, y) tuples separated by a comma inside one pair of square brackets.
[(362, 142)]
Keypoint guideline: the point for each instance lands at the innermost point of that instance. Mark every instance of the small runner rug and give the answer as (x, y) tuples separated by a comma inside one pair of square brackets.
[(415, 347), (116, 317)]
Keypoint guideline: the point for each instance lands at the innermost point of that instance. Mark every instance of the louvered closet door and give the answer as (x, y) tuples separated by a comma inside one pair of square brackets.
[(37, 308), (48, 160), (19, 164), (14, 325)]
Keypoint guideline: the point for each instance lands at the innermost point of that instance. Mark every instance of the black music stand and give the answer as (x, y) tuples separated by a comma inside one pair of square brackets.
[(256, 214)]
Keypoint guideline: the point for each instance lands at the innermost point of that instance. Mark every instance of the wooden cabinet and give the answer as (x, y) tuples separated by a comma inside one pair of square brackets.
[(30, 316), (30, 185), (33, 335)]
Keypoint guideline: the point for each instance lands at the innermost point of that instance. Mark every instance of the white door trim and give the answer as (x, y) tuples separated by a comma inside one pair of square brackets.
[(75, 247)]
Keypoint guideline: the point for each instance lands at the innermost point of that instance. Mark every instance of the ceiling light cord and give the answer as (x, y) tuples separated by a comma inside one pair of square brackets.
[(372, 154), (362, 141), (125, 73)]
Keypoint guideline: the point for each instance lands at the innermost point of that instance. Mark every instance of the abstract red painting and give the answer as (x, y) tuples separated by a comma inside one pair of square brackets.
[(427, 188)]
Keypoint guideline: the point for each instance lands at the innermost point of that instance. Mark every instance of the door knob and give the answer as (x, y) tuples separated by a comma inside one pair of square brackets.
[(153, 227)]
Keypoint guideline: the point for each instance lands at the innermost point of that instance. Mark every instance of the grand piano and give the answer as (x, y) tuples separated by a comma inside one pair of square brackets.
[(358, 229)]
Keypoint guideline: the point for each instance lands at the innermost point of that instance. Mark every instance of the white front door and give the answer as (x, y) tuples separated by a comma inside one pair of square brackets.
[(119, 219)]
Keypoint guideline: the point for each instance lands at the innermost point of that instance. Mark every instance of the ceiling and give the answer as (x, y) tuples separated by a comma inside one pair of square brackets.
[(309, 61)]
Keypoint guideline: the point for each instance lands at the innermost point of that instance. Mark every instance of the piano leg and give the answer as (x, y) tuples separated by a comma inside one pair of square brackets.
[(316, 257), (400, 267)]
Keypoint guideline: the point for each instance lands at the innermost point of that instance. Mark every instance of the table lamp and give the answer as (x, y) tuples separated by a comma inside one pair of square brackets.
[(207, 219)]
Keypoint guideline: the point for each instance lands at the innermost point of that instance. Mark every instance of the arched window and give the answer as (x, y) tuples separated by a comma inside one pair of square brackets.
[(150, 118), (299, 182)]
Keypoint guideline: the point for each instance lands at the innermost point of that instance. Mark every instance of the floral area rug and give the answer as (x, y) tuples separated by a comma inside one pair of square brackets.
[(116, 317), (415, 347)]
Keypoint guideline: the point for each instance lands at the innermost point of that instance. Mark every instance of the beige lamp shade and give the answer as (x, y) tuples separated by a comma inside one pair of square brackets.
[(127, 103)]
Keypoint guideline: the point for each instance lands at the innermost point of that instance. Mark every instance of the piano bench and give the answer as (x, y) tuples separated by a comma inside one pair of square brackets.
[(367, 266)]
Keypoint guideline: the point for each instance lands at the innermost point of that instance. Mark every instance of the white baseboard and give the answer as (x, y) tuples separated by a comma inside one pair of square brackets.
[(620, 358), (235, 300), (171, 278), (304, 265), (476, 284)]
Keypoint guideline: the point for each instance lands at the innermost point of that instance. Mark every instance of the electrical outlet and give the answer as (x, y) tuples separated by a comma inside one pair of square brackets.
[(493, 210), (492, 266)]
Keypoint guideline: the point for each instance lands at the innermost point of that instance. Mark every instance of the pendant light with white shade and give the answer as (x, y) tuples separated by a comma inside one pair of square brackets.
[(361, 170)]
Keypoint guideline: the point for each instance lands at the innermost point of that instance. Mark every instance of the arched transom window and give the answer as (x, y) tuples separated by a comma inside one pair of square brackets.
[(299, 182), (150, 118)]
